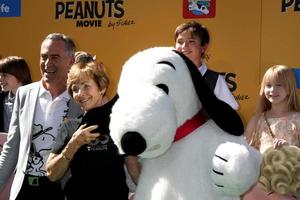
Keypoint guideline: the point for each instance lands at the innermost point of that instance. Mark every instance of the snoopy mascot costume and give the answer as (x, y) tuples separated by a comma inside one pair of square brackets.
[(190, 144)]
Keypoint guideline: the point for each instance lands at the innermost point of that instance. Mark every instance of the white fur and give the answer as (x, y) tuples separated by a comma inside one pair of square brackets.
[(181, 170)]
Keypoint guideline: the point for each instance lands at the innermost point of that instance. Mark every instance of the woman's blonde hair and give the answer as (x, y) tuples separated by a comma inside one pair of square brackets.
[(280, 170), (286, 77), (92, 70)]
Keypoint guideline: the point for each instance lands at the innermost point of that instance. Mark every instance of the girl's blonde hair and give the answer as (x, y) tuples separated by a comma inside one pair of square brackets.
[(286, 77), (92, 70)]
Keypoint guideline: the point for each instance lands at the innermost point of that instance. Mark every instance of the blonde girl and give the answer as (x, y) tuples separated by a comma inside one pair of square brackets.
[(276, 122)]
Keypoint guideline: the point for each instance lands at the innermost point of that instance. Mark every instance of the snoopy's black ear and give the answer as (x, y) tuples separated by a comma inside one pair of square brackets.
[(219, 111)]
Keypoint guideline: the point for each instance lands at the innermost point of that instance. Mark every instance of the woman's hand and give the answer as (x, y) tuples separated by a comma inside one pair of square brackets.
[(58, 164), (83, 135)]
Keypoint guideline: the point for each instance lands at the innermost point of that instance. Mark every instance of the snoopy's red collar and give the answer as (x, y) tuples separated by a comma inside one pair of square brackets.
[(190, 125)]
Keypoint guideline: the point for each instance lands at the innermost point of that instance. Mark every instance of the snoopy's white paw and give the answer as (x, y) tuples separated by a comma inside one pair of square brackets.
[(235, 169)]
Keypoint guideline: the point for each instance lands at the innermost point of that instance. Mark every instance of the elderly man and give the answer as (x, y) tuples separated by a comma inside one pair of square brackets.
[(39, 110)]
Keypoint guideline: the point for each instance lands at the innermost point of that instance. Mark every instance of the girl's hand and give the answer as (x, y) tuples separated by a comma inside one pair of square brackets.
[(84, 136), (279, 143)]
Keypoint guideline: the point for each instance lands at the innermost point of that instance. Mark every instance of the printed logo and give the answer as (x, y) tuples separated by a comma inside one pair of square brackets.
[(10, 8), (199, 8), (41, 145), (101, 13), (100, 144), (232, 85)]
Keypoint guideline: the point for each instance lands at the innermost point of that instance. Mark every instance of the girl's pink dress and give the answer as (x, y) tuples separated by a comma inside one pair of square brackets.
[(287, 128)]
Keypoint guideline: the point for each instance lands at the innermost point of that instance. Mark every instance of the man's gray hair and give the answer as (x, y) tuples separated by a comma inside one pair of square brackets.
[(70, 45)]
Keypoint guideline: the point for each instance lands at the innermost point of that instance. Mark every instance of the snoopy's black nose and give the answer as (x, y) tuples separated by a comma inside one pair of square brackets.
[(133, 143)]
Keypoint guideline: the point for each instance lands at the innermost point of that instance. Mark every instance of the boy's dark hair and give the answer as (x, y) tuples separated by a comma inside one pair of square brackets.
[(196, 29), (16, 66)]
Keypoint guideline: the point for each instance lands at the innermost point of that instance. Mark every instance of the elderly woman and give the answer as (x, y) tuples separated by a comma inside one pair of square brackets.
[(84, 145)]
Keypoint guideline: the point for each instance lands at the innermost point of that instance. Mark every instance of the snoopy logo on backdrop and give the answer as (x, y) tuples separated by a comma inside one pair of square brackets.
[(198, 8), (290, 4)]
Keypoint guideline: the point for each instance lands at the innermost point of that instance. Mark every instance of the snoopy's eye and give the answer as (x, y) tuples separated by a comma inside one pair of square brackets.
[(167, 63), (164, 87)]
